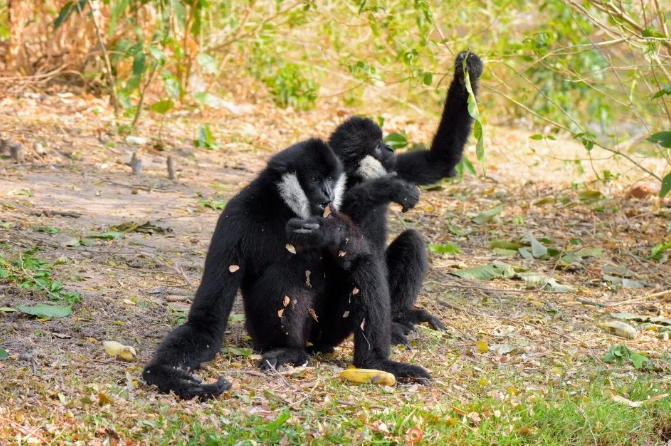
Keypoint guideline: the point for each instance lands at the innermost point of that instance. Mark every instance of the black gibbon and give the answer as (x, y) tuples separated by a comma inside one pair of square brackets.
[(284, 294), (376, 176)]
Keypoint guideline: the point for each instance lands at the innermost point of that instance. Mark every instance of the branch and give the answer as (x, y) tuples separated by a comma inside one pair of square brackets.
[(108, 65)]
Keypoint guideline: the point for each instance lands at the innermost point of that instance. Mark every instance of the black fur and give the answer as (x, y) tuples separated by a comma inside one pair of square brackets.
[(248, 252), (371, 190), (447, 148), (249, 235)]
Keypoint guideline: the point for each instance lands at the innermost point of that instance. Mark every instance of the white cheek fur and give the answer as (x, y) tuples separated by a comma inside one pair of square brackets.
[(339, 191), (293, 195), (370, 168)]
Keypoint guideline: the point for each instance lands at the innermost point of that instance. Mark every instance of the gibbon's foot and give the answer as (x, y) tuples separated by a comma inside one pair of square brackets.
[(474, 66), (275, 359), (398, 332), (401, 370), (419, 315), (185, 385)]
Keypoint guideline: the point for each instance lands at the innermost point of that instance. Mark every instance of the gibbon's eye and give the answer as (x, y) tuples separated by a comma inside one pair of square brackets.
[(330, 178), (314, 180)]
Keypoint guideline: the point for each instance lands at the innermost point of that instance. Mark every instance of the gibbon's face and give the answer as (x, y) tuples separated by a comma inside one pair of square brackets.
[(322, 189), (313, 178), (358, 143)]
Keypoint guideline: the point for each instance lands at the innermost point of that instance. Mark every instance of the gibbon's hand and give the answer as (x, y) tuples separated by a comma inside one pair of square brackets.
[(474, 66), (406, 194)]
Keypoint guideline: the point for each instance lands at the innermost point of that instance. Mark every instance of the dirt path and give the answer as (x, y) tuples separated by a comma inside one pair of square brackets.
[(134, 287)]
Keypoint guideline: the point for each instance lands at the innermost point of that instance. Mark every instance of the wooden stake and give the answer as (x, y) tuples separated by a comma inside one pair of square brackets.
[(17, 152), (172, 174), (136, 164)]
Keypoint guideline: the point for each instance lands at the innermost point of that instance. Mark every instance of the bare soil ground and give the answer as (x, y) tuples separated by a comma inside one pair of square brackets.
[(136, 287)]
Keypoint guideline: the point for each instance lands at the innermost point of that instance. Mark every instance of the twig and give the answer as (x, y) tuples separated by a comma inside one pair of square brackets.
[(658, 294), (589, 425), (590, 302), (624, 302), (108, 65), (52, 213), (272, 367), (140, 187), (506, 290), (142, 93), (180, 271)]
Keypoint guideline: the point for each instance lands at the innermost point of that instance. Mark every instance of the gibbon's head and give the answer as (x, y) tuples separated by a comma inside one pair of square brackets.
[(309, 177), (358, 143)]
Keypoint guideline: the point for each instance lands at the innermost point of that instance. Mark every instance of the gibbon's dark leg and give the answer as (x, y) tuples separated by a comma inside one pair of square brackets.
[(358, 284), (371, 322), (277, 310), (447, 148), (201, 337), (407, 265)]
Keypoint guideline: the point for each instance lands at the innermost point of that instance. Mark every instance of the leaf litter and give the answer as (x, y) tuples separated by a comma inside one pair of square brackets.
[(535, 315)]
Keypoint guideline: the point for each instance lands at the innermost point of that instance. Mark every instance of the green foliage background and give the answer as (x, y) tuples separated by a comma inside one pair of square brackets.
[(598, 70)]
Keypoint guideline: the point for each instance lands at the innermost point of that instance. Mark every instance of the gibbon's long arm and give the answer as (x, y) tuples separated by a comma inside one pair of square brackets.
[(447, 148), (201, 337)]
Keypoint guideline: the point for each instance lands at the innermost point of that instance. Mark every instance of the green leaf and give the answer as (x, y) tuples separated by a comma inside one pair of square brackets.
[(446, 248), (46, 311), (213, 204), (467, 166), (638, 360), (475, 114), (666, 185), (112, 235), (396, 140), (570, 259), (67, 10), (503, 244), (158, 54), (617, 353), (486, 272), (118, 9), (427, 79), (281, 419), (488, 215), (537, 248), (657, 250), (591, 196), (590, 252), (139, 64), (536, 137), (207, 63), (3, 354), (661, 138), (505, 252), (162, 107), (8, 310), (234, 351), (666, 91), (49, 229)]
